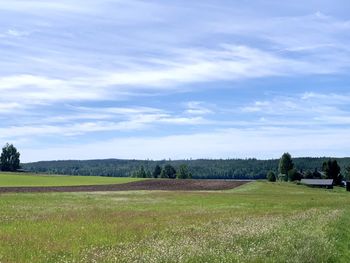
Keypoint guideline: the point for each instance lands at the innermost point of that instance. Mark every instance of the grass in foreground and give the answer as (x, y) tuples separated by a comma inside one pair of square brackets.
[(259, 222), (20, 179)]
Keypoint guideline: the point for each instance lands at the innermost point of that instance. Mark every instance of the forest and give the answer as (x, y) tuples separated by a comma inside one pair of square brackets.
[(199, 169)]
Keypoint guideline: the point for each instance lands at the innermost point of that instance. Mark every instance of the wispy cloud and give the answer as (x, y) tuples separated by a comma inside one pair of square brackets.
[(90, 120), (132, 72), (10, 107), (228, 63), (230, 143), (14, 33), (309, 108), (198, 108), (34, 6)]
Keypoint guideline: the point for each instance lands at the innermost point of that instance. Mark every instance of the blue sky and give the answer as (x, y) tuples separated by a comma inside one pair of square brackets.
[(174, 79)]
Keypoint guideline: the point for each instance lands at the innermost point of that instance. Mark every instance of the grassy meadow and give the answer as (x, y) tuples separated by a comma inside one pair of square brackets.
[(23, 179), (257, 222)]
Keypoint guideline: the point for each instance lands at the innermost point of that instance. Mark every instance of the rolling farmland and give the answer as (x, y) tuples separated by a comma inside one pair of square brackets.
[(256, 222), (21, 179)]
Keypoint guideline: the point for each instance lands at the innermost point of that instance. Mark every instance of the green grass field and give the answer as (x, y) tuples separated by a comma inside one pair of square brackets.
[(258, 222), (20, 179)]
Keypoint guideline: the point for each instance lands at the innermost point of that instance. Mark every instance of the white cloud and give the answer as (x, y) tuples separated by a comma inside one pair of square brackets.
[(14, 33), (303, 110), (290, 32), (230, 143), (34, 6), (330, 98), (10, 107), (31, 90), (73, 125), (128, 111), (81, 53), (197, 108), (309, 108), (228, 63)]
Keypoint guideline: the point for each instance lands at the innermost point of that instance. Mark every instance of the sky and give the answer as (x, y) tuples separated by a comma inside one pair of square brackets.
[(176, 79)]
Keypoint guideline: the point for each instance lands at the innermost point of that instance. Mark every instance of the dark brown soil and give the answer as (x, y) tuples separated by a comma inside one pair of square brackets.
[(154, 184)]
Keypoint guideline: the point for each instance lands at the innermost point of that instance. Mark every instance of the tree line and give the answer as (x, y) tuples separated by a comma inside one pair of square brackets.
[(283, 169), (168, 171), (287, 171), (199, 169)]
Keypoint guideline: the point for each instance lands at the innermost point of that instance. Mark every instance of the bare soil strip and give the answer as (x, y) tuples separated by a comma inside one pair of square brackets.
[(154, 184)]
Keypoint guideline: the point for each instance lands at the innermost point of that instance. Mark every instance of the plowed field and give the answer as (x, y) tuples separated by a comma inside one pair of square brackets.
[(160, 184)]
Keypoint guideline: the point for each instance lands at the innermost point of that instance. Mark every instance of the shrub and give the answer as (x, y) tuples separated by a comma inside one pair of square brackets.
[(294, 175), (271, 177)]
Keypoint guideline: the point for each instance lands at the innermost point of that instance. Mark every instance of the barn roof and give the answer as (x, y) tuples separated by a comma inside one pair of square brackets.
[(317, 181)]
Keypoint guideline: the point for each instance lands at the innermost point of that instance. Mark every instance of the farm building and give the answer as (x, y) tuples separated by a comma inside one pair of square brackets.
[(326, 183)]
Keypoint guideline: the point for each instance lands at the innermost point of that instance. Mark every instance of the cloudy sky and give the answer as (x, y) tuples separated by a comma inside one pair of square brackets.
[(175, 79)]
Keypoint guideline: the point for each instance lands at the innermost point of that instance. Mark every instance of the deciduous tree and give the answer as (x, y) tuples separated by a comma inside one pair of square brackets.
[(285, 164), (294, 175), (271, 176), (9, 158), (168, 172)]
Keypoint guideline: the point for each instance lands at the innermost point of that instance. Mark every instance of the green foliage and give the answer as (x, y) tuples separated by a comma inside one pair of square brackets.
[(332, 171), (282, 177), (316, 174), (9, 158), (168, 172), (294, 175), (308, 174), (347, 173), (148, 174), (183, 172), (285, 164), (271, 176), (200, 169), (141, 173), (157, 171)]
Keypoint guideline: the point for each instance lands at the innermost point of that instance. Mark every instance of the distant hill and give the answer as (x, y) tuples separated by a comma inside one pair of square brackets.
[(202, 168)]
